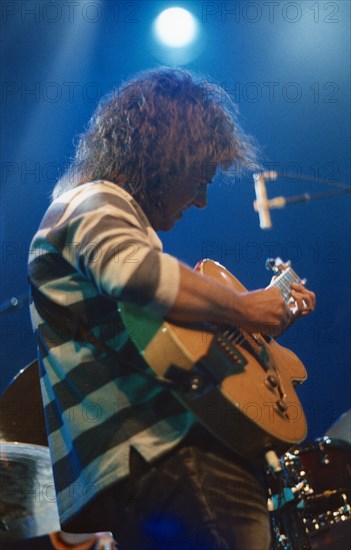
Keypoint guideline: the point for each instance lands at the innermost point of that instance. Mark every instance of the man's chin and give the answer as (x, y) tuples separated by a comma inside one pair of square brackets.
[(167, 225)]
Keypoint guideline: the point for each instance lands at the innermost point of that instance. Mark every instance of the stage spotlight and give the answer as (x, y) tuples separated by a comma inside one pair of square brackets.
[(176, 28), (176, 38)]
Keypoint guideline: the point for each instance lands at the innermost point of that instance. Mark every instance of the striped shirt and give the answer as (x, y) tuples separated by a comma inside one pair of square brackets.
[(94, 248)]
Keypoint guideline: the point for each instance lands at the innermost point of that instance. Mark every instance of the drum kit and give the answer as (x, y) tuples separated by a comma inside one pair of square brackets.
[(27, 500), (309, 499)]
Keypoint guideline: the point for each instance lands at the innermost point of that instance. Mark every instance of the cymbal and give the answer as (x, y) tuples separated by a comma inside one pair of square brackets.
[(27, 495), (341, 429)]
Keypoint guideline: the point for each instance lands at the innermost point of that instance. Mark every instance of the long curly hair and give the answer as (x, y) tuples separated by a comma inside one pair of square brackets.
[(157, 127)]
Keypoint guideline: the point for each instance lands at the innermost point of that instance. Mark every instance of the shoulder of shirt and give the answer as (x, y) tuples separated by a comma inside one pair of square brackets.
[(75, 196), (95, 186)]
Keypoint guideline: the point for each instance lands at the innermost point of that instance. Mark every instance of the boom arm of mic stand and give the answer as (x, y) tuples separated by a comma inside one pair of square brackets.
[(281, 202)]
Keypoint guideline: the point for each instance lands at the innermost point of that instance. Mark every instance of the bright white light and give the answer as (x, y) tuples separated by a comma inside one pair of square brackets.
[(176, 27)]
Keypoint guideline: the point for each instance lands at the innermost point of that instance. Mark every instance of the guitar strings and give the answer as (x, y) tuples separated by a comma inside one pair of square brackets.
[(288, 276)]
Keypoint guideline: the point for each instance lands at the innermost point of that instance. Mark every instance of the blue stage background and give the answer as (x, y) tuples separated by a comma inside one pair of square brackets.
[(286, 66)]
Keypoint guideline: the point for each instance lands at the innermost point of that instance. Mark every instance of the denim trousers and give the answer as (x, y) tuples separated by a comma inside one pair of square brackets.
[(200, 496)]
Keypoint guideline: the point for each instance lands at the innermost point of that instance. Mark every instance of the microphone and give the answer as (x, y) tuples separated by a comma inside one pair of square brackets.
[(262, 204)]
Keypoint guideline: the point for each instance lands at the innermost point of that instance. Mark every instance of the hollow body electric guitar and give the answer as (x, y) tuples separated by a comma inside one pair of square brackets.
[(239, 384)]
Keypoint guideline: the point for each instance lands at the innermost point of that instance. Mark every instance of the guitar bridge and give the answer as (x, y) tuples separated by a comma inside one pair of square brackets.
[(258, 349)]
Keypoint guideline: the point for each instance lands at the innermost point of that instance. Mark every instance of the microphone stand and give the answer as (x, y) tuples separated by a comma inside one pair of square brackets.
[(280, 202), (14, 302), (262, 204)]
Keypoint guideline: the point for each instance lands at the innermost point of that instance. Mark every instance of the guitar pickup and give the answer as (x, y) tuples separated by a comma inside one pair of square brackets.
[(209, 371), (224, 358), (229, 341)]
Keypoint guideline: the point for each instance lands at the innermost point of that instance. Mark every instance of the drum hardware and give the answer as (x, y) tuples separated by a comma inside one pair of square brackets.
[(312, 497), (315, 524), (285, 506), (287, 520)]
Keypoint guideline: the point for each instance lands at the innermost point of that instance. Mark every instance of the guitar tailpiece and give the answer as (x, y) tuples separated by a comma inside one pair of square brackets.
[(194, 383)]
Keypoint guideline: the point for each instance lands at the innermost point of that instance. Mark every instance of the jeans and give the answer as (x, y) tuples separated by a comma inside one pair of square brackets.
[(198, 497)]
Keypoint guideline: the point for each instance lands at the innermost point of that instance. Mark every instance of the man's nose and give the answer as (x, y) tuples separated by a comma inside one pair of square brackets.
[(201, 198)]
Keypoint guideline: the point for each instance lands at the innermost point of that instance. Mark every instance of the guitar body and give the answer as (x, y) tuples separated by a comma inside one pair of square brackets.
[(239, 385)]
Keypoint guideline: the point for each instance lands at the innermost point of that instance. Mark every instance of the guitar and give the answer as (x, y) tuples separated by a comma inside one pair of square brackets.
[(240, 385)]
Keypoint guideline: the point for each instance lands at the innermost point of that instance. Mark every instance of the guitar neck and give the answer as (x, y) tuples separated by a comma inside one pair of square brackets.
[(284, 281)]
